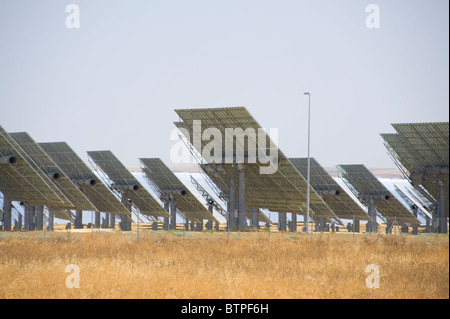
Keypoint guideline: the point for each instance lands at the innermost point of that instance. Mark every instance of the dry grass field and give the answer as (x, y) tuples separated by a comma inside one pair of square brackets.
[(214, 265)]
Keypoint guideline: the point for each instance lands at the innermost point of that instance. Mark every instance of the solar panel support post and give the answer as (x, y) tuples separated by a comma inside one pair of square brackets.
[(50, 221), (356, 224), (428, 224), (112, 220), (6, 213), (322, 224), (106, 221), (242, 207), (29, 217), (441, 211), (26, 217), (434, 221), (389, 224), (125, 223), (33, 217), (209, 224), (199, 226), (39, 213), (232, 206), (293, 227), (78, 222), (172, 213), (316, 225), (166, 219), (282, 221), (97, 220), (372, 226), (255, 218), (19, 223), (415, 229)]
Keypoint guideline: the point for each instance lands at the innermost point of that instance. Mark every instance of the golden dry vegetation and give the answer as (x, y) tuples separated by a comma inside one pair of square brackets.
[(215, 265)]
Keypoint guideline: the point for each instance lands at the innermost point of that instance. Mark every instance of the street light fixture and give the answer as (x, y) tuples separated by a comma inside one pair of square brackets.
[(308, 172)]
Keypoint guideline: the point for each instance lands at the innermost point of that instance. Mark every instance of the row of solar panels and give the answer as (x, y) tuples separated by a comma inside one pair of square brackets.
[(421, 151), (285, 189), (52, 174), (74, 185)]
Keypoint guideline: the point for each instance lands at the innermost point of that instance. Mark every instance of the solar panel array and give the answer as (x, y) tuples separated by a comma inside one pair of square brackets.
[(52, 174), (165, 183), (80, 174), (22, 180), (332, 193), (123, 181), (282, 191), (369, 187), (57, 176), (422, 149)]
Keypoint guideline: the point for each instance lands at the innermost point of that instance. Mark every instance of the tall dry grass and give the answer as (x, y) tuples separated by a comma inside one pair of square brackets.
[(211, 265)]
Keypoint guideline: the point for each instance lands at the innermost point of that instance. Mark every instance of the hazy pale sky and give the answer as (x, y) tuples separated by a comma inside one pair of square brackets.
[(113, 83)]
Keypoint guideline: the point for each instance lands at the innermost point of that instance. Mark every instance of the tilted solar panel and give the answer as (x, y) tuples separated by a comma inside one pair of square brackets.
[(332, 193), (368, 187), (22, 180), (49, 167), (164, 182), (125, 183), (430, 141), (282, 191), (422, 149), (80, 174)]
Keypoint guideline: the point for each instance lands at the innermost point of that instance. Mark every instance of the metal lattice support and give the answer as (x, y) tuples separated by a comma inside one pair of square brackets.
[(167, 185), (201, 162), (209, 199)]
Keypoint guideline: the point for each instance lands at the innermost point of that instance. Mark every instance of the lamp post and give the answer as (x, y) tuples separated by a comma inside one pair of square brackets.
[(308, 172)]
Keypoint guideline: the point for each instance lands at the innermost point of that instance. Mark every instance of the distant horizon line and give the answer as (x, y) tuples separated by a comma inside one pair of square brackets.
[(383, 172)]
